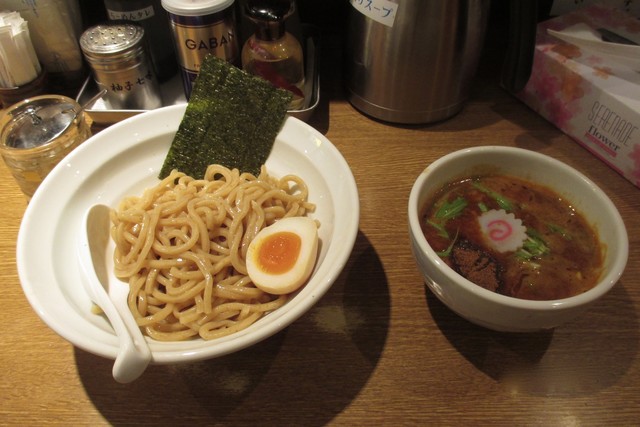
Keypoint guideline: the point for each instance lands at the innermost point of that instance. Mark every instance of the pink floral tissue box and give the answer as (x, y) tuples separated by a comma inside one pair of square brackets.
[(589, 88)]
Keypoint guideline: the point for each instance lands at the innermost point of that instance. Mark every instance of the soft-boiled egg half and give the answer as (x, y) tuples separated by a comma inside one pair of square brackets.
[(281, 256)]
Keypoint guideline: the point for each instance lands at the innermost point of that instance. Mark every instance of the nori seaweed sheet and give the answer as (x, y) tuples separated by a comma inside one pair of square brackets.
[(232, 119)]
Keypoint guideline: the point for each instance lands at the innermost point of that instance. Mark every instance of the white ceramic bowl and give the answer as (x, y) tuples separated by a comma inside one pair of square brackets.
[(125, 159), (500, 312)]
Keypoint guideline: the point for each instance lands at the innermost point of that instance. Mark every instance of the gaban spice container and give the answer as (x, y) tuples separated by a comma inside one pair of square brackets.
[(37, 133), (117, 55), (201, 28)]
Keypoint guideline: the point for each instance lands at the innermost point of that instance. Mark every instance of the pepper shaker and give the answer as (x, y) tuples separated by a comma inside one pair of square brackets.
[(117, 55)]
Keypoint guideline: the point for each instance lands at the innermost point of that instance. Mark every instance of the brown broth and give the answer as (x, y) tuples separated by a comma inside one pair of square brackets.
[(571, 256)]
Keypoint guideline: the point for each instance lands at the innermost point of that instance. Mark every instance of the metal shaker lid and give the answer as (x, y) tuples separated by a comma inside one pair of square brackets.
[(196, 7), (38, 121), (112, 38)]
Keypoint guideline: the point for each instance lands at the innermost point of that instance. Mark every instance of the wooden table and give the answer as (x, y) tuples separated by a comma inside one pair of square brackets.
[(379, 348)]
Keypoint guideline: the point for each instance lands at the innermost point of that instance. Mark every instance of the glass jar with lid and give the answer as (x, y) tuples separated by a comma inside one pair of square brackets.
[(37, 133)]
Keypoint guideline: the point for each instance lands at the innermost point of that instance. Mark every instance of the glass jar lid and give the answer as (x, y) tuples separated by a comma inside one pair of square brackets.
[(38, 121)]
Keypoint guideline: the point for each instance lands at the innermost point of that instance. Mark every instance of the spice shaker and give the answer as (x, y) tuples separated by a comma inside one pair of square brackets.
[(117, 55), (37, 133), (272, 52), (201, 28)]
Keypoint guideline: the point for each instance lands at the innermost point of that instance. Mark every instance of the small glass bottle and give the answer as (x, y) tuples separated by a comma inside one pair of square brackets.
[(273, 53)]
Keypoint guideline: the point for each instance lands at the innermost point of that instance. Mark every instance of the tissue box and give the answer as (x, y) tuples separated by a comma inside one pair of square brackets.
[(591, 95)]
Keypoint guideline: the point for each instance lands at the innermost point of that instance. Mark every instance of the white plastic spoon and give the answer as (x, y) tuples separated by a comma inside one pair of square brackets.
[(110, 295)]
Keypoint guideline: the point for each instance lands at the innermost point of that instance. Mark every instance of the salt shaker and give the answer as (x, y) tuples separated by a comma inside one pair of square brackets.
[(37, 133), (117, 55)]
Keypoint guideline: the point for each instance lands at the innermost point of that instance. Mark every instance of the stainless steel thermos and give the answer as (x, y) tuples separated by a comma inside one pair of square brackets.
[(413, 61)]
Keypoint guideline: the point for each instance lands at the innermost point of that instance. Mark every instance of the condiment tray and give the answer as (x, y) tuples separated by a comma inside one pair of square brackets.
[(172, 92)]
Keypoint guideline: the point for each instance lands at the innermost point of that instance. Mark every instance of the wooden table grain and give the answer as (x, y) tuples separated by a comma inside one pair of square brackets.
[(378, 348)]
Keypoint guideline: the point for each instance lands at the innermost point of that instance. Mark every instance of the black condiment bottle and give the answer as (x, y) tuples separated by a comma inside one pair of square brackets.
[(153, 18)]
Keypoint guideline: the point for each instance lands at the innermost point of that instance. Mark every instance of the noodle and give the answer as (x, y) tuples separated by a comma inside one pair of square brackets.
[(182, 246)]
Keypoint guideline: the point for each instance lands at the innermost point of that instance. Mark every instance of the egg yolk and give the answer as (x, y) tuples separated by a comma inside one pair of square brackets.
[(279, 252)]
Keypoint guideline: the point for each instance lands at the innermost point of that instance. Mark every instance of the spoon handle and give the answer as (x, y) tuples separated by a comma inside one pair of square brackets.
[(131, 359), (110, 295), (138, 357)]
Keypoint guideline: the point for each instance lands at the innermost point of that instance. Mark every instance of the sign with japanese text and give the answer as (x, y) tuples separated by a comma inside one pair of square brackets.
[(131, 15), (382, 11)]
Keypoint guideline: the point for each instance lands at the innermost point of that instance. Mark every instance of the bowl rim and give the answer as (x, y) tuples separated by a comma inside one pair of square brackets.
[(603, 286)]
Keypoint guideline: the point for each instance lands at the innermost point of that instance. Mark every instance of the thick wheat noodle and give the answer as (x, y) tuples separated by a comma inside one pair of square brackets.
[(182, 245)]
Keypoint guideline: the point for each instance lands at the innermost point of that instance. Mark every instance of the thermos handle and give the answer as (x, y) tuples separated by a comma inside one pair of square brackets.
[(516, 69)]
